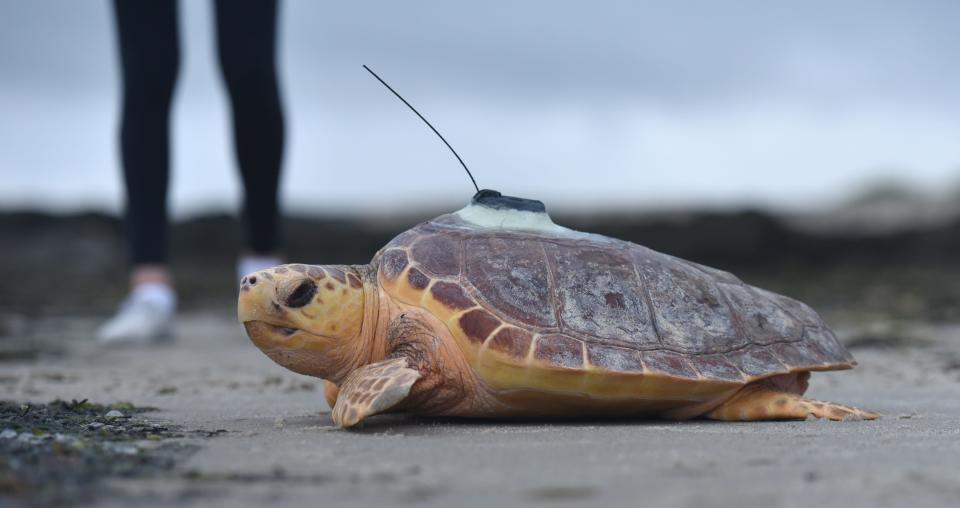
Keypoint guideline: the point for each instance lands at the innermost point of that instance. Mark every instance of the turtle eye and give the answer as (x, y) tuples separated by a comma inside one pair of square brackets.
[(302, 295)]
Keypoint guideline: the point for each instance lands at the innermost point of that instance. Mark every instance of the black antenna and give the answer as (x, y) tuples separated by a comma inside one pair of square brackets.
[(428, 125)]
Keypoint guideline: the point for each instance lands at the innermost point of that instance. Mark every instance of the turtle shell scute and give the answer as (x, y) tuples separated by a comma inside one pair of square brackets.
[(478, 324), (559, 351), (614, 358), (393, 262), (437, 254), (512, 341), (451, 295)]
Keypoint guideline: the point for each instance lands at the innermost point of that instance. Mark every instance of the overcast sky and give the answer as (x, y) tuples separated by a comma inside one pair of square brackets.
[(580, 104)]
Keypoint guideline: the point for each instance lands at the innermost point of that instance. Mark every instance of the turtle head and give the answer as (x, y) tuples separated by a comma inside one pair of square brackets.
[(308, 319)]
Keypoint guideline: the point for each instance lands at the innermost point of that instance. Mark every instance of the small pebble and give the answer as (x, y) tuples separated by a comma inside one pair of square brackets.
[(113, 414), (124, 449)]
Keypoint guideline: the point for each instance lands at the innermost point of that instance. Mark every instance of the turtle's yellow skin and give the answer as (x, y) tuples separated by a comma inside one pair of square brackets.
[(494, 311)]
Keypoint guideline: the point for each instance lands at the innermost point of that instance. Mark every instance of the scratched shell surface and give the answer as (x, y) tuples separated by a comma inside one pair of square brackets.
[(590, 301)]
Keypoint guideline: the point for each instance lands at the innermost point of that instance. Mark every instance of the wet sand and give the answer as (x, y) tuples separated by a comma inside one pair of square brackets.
[(280, 446)]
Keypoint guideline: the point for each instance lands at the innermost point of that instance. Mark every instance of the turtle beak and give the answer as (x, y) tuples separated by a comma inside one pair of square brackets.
[(266, 336), (260, 315), (257, 300)]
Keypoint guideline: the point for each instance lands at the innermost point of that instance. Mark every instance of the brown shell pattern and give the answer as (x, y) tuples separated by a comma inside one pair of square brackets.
[(597, 302)]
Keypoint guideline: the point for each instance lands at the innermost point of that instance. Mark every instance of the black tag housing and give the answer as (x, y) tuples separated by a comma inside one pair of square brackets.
[(493, 199)]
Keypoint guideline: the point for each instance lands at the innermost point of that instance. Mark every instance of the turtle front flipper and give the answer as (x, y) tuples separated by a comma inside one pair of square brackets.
[(373, 389), (765, 400)]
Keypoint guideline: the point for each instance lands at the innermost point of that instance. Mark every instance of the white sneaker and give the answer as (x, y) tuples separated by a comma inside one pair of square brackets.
[(145, 316), (250, 263)]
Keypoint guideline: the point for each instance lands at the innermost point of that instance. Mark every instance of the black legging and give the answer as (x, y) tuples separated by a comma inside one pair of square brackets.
[(149, 53)]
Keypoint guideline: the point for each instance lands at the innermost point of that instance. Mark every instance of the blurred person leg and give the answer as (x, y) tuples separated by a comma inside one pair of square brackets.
[(247, 44), (149, 57)]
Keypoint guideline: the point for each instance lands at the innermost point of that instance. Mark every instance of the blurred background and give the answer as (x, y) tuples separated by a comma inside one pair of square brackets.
[(811, 149)]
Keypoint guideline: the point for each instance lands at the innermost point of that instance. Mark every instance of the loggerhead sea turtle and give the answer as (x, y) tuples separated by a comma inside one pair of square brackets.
[(495, 311)]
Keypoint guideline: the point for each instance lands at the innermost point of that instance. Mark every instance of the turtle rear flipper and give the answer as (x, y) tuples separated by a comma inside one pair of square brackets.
[(765, 400)]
